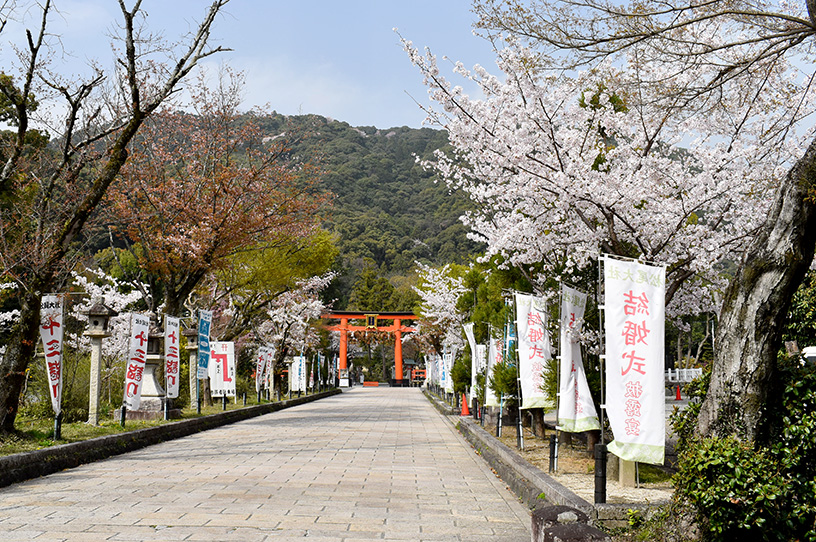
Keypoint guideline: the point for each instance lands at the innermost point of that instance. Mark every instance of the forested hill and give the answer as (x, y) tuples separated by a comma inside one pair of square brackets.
[(387, 208)]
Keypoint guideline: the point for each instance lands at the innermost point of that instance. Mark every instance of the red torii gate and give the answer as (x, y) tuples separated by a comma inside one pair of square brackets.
[(371, 325)]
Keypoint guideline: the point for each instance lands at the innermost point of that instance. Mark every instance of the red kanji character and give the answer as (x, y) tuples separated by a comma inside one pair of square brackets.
[(572, 319), (534, 335), (632, 408), (134, 372), (635, 303), (51, 325), (141, 337), (536, 352), (172, 337), (53, 347), (53, 370), (632, 427), (139, 357), (633, 389), (131, 388), (534, 319), (638, 365), (635, 333)]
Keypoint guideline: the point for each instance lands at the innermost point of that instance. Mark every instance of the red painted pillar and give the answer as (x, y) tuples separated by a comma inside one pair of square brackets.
[(398, 349), (343, 344)]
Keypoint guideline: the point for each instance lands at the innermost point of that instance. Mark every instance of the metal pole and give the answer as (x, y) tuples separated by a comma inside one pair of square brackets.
[(58, 426), (553, 453), (600, 473), (600, 448)]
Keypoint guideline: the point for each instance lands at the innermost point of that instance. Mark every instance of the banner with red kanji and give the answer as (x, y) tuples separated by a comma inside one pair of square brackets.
[(635, 297), (221, 369), (533, 349), (260, 366), (171, 356), (135, 365), (576, 410), (51, 333)]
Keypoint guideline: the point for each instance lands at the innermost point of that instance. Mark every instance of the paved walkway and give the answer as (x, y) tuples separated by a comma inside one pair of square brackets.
[(370, 464)]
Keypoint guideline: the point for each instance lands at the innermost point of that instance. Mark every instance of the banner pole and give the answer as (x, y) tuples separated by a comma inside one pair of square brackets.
[(519, 425), (600, 448), (559, 361)]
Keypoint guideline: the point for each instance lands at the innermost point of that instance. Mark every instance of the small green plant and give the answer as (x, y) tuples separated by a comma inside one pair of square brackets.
[(634, 518), (542, 496)]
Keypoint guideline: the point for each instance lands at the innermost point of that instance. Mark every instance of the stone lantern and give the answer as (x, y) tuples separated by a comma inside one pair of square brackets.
[(99, 316)]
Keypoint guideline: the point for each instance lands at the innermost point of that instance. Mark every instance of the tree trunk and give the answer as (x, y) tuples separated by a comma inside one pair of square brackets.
[(22, 347), (755, 306)]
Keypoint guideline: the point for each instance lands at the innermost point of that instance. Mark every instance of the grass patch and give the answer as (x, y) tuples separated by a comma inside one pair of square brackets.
[(650, 474)]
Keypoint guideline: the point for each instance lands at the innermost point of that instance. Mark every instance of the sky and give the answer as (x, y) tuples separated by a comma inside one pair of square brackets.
[(335, 58)]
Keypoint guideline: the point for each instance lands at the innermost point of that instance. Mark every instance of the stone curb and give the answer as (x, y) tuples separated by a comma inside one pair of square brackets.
[(533, 487), (27, 465)]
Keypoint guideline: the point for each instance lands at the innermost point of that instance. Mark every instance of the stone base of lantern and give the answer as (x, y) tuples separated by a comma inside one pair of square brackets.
[(151, 408)]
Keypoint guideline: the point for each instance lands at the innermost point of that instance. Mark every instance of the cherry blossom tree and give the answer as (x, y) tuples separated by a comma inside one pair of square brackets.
[(289, 324), (712, 91), (564, 168), (203, 186), (440, 326), (48, 195)]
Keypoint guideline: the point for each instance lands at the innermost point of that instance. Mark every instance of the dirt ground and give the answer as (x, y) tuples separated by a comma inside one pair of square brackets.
[(576, 469)]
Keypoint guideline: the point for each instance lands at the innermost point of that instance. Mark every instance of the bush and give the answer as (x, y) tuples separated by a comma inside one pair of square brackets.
[(460, 373), (504, 384), (761, 491)]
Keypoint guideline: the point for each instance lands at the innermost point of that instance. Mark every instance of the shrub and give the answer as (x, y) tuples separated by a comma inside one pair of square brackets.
[(760, 491)]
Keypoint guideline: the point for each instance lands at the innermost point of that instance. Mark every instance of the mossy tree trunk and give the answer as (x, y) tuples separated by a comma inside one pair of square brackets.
[(755, 307)]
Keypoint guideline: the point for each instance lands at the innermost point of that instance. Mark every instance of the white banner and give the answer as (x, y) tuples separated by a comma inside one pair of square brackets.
[(171, 356), (479, 365), (576, 411), (222, 369), (635, 297), (270, 368), (137, 355), (474, 358), (533, 349), (51, 333), (260, 366), (447, 362), (297, 374), (494, 358)]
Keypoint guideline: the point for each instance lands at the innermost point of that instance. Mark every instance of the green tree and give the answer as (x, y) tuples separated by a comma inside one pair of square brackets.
[(372, 292)]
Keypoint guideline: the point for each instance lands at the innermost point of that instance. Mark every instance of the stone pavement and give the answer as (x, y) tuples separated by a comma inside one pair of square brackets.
[(370, 464)]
